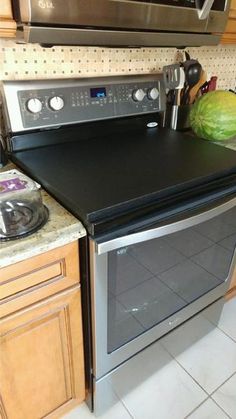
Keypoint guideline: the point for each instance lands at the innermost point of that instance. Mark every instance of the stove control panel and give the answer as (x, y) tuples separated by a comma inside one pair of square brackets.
[(43, 104)]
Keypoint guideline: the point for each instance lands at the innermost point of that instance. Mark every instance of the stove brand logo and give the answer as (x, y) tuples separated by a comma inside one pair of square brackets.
[(46, 4), (174, 322), (122, 251)]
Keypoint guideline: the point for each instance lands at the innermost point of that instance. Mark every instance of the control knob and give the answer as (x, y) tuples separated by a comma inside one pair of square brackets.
[(56, 103), (138, 95), (153, 93), (34, 105)]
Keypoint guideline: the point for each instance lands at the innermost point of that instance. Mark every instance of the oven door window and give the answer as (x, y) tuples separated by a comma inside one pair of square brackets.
[(151, 281)]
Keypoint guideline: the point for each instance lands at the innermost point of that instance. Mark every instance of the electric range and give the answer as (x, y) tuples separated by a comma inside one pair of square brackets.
[(157, 206)]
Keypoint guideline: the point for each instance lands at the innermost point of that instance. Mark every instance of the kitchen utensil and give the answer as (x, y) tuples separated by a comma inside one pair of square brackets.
[(180, 86), (171, 75), (212, 84), (21, 208), (192, 75), (193, 93), (179, 118), (187, 56), (204, 87), (209, 86), (186, 64), (170, 97), (3, 156)]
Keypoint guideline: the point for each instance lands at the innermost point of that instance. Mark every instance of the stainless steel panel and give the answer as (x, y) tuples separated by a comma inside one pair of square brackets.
[(69, 36), (112, 14), (119, 23), (204, 12), (98, 275), (217, 20), (164, 230)]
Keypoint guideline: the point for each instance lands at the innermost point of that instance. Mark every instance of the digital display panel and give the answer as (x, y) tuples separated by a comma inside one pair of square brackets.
[(98, 92)]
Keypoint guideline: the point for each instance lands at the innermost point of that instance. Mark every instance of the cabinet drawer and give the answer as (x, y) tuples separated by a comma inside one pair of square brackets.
[(28, 281)]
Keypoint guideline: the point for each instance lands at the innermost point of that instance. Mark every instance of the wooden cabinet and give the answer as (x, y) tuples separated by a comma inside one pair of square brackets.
[(7, 24), (31, 280), (232, 290), (41, 344), (229, 36)]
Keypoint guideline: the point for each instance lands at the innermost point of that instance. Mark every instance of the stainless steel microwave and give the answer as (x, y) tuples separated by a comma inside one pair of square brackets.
[(122, 22)]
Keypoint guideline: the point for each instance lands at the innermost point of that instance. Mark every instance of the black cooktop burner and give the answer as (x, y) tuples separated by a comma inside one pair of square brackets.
[(20, 218)]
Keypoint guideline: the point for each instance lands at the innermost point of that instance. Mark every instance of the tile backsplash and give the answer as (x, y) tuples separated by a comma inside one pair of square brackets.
[(20, 61)]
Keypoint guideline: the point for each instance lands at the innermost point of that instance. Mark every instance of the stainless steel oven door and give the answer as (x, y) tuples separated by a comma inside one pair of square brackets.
[(146, 283)]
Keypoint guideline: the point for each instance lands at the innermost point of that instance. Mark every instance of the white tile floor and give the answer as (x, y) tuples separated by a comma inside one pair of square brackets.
[(196, 377)]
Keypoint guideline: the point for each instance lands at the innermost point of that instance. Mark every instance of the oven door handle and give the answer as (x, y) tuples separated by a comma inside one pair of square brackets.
[(205, 10), (107, 246)]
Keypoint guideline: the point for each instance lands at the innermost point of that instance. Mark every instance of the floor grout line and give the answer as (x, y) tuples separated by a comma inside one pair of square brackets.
[(208, 394), (194, 379), (216, 325), (221, 408), (127, 410), (204, 401), (234, 373), (197, 407), (226, 334), (123, 404)]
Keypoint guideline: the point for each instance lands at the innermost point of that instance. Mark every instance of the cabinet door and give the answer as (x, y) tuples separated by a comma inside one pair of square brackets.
[(41, 363), (229, 36), (5, 9), (232, 290), (7, 24)]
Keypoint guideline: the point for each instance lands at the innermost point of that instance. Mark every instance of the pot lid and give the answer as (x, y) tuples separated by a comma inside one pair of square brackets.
[(21, 207)]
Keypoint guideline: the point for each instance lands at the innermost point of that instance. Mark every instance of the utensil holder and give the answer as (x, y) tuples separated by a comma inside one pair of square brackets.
[(177, 117)]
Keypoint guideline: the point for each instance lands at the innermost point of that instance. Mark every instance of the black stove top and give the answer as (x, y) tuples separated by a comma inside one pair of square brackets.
[(107, 172)]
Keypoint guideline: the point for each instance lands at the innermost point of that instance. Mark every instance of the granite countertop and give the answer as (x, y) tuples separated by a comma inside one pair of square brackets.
[(61, 228)]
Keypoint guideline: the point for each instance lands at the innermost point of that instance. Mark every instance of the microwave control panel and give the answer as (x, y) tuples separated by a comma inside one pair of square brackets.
[(43, 104)]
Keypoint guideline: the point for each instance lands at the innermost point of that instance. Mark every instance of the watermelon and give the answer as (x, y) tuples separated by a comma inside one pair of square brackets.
[(213, 116)]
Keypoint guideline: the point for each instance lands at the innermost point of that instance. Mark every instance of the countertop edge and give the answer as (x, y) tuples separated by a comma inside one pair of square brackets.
[(62, 228), (72, 233)]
